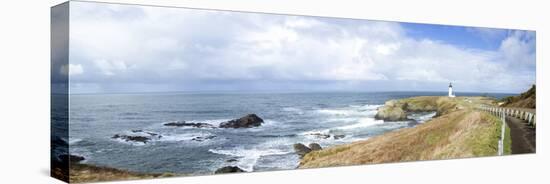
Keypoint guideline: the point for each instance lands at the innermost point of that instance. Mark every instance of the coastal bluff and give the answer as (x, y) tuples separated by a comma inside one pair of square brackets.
[(457, 131), (397, 110)]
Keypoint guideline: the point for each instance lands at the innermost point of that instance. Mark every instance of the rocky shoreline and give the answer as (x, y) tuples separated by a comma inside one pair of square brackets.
[(472, 134), (144, 137), (398, 110), (393, 110)]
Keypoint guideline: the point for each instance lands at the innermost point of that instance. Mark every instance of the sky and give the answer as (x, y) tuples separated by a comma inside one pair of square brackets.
[(129, 48)]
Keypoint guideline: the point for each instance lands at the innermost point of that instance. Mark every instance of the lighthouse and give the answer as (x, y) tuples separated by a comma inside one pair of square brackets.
[(451, 90)]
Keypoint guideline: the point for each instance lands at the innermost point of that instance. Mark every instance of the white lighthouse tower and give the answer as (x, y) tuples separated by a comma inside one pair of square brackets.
[(451, 94)]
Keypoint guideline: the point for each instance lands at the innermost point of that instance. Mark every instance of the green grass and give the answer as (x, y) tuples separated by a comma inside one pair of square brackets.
[(492, 138), (434, 137), (484, 142), (507, 142)]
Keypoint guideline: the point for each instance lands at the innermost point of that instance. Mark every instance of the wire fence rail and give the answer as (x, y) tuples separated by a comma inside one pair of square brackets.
[(502, 112), (525, 115)]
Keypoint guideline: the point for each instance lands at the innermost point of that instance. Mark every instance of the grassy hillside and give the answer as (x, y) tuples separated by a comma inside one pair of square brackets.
[(80, 173), (458, 132), (524, 100)]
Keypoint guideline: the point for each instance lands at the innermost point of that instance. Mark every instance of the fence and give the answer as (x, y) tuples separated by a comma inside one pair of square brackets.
[(502, 112), (522, 114)]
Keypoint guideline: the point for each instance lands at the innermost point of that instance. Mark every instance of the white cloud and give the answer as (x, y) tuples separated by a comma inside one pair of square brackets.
[(111, 67), (121, 43), (71, 69)]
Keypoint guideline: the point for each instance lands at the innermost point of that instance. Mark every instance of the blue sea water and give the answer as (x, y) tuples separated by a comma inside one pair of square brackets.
[(289, 118)]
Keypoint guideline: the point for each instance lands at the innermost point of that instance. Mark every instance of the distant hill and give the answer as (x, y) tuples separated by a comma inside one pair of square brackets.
[(524, 100)]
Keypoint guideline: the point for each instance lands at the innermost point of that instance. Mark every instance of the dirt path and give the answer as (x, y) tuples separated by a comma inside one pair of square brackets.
[(523, 136)]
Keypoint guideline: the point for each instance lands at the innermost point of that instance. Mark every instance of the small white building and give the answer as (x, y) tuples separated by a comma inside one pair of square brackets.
[(451, 94)]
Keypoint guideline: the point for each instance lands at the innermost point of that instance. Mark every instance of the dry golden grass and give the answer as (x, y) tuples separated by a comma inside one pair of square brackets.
[(458, 132), (84, 173)]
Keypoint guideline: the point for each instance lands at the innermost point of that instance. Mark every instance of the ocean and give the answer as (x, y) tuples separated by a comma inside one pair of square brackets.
[(330, 118)]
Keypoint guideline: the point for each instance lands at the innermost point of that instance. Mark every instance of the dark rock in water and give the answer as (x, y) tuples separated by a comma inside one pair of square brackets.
[(229, 169), (250, 120), (314, 147), (153, 134), (183, 123), (339, 136), (321, 135), (71, 158), (231, 160), (59, 142), (150, 133), (301, 149), (136, 138), (200, 138)]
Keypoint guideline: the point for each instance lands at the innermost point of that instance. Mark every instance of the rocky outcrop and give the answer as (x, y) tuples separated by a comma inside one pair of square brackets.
[(248, 121), (137, 136), (71, 158), (302, 149), (315, 147), (397, 110), (320, 135), (132, 138), (229, 169), (203, 138), (392, 111), (185, 124), (148, 133), (336, 137)]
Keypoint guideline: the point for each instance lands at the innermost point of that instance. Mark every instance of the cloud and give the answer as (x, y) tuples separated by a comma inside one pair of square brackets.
[(184, 49), (71, 69), (110, 67)]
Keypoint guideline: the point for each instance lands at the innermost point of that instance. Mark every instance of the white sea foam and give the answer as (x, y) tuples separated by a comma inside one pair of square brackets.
[(341, 119), (133, 143), (338, 112), (363, 122), (182, 137), (270, 122), (293, 110), (352, 110), (315, 132), (248, 157), (214, 122), (74, 141), (423, 117), (366, 107)]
